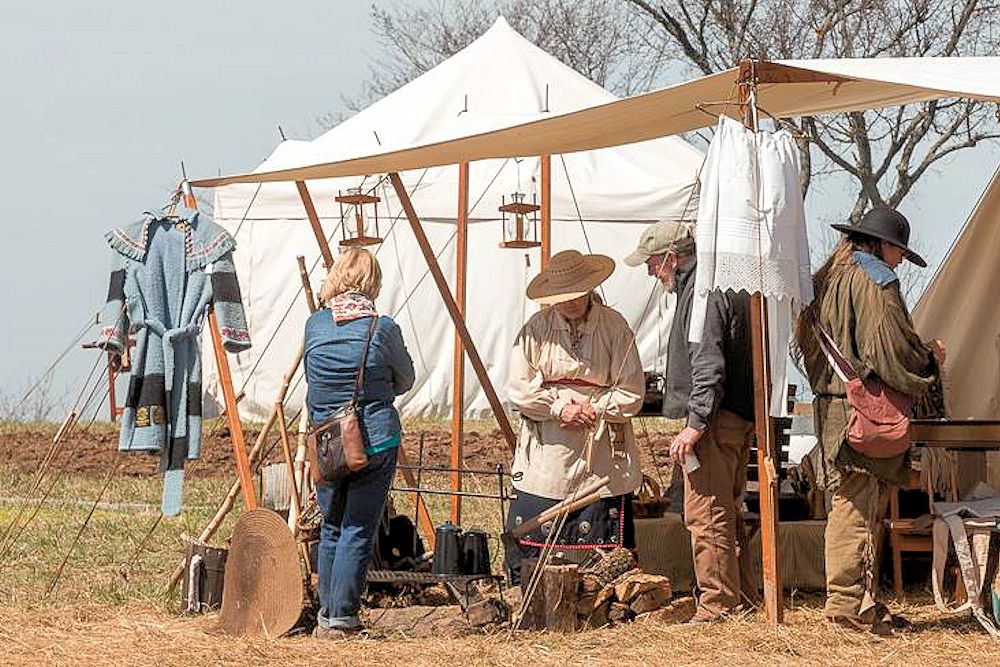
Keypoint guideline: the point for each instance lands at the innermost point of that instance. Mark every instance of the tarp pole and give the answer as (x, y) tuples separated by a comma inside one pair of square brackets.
[(767, 459), (458, 371), (456, 316), (317, 228), (546, 168), (232, 414)]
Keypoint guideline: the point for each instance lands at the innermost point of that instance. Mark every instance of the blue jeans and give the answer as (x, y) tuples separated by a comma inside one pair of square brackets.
[(352, 510)]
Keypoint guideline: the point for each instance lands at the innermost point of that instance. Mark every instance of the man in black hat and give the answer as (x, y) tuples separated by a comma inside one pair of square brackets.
[(858, 304)]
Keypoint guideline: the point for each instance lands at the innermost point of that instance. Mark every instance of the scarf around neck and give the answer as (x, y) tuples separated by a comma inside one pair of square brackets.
[(351, 305)]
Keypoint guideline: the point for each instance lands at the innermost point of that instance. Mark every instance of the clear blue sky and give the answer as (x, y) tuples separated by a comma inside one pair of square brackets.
[(100, 101)]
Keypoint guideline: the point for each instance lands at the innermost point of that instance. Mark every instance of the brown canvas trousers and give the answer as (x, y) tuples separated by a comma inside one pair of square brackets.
[(713, 496), (853, 530)]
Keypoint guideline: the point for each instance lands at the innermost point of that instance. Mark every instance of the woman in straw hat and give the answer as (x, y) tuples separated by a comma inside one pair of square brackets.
[(335, 340), (576, 379), (859, 305)]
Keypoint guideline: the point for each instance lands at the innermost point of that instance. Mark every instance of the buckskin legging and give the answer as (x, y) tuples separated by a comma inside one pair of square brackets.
[(853, 529)]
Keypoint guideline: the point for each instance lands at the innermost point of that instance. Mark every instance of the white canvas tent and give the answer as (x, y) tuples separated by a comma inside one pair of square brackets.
[(498, 80), (960, 307), (787, 88)]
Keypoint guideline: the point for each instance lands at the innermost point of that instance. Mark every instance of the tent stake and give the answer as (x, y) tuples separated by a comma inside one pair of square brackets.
[(456, 316)]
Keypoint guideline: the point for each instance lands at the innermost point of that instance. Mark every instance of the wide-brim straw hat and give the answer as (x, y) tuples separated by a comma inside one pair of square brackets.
[(262, 592), (569, 275)]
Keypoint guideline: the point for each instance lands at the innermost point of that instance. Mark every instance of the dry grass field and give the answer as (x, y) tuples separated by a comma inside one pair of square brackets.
[(110, 606)]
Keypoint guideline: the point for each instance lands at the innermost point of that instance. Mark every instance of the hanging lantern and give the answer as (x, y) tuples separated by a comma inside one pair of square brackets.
[(359, 236), (520, 222)]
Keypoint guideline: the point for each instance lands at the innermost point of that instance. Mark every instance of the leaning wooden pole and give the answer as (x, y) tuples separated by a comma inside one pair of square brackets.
[(317, 228), (546, 212), (767, 456), (456, 316), (232, 414), (458, 363)]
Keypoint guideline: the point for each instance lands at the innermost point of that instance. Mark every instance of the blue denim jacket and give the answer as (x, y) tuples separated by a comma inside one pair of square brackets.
[(332, 355)]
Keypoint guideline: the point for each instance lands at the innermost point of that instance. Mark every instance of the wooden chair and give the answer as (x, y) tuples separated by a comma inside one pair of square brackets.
[(905, 534), (910, 535)]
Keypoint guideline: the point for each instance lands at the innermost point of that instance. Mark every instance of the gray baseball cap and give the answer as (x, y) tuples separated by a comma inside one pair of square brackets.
[(660, 238)]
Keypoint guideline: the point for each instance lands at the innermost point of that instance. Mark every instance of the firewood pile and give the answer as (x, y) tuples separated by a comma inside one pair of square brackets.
[(612, 590)]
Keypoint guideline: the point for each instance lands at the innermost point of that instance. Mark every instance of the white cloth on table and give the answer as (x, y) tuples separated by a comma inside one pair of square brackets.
[(751, 234)]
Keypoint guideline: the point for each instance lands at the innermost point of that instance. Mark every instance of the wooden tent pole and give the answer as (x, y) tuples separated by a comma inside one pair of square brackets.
[(546, 164), (232, 414), (456, 316), (458, 370), (767, 457), (317, 228)]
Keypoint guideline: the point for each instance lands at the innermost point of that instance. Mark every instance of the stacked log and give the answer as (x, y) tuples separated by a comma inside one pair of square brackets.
[(613, 591), (633, 593)]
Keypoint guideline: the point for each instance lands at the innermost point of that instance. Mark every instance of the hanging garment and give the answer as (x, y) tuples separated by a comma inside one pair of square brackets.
[(165, 273), (751, 234)]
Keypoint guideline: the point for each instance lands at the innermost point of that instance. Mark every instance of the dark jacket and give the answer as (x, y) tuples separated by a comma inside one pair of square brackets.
[(721, 365), (332, 355), (677, 379)]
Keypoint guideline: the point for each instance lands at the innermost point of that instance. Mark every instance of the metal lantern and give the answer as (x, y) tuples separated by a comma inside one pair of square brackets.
[(520, 227), (359, 200)]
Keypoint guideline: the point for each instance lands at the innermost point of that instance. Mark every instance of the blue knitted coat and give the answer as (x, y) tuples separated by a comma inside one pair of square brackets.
[(165, 273)]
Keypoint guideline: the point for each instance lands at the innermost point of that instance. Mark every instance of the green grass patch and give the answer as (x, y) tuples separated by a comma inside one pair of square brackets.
[(116, 559)]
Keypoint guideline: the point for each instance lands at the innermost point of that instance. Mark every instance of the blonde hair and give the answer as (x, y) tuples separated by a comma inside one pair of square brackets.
[(355, 269)]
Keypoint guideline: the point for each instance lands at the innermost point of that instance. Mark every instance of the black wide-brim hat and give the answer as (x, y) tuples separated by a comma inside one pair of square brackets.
[(886, 224)]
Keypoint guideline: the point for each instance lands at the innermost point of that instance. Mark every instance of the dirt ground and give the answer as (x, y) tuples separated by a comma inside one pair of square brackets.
[(90, 451)]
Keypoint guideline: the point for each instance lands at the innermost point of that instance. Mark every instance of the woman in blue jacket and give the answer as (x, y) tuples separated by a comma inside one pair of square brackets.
[(335, 337)]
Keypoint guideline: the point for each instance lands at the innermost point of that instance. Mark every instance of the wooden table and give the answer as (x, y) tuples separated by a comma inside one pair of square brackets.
[(977, 435)]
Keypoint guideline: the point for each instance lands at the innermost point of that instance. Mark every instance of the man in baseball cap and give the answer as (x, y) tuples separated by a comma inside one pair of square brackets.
[(710, 386), (664, 247)]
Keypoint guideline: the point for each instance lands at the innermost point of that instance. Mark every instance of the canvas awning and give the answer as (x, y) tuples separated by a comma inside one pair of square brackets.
[(787, 89)]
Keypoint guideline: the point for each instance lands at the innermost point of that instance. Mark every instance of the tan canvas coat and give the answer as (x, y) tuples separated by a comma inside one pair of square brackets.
[(549, 461)]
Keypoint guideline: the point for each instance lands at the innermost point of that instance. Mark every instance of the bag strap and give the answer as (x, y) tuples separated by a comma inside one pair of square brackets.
[(360, 381), (841, 366)]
